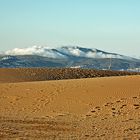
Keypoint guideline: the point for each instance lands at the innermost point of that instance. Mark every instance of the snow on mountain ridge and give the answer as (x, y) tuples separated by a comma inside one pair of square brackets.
[(90, 53), (64, 52), (35, 50)]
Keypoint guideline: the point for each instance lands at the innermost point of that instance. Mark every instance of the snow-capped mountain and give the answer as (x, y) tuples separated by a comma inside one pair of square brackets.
[(36, 50), (67, 56), (64, 52)]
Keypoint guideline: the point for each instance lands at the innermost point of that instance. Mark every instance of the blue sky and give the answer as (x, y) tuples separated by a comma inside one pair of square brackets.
[(110, 25)]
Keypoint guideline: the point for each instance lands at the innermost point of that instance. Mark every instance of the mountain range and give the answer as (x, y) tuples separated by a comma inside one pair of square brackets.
[(67, 56)]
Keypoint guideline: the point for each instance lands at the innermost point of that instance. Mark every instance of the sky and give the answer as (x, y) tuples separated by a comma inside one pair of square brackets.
[(109, 25)]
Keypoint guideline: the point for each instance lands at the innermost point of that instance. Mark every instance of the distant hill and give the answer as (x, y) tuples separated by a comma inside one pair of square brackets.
[(67, 57)]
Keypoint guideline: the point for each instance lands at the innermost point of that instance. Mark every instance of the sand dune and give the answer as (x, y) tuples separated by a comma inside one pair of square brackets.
[(98, 108)]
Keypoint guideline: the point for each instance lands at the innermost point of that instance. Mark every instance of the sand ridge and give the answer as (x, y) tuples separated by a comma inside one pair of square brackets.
[(44, 74), (92, 108)]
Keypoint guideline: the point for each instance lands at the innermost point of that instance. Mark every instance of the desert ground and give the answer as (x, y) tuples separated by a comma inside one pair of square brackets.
[(99, 108)]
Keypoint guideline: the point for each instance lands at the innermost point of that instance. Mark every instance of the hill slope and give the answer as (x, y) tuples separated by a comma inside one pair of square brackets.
[(67, 57)]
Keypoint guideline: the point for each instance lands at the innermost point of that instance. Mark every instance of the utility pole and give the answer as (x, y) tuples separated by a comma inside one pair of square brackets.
[(110, 63)]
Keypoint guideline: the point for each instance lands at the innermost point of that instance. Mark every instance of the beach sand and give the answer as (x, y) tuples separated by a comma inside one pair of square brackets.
[(78, 109)]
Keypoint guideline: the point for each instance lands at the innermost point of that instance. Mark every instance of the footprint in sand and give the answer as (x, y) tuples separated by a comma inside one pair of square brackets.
[(137, 106), (118, 101), (123, 106), (98, 108), (109, 104), (134, 97), (93, 111)]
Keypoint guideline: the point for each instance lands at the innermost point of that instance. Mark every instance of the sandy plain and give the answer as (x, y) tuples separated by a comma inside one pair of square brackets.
[(78, 109)]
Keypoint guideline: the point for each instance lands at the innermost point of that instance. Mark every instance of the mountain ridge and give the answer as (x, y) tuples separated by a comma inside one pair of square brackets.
[(64, 51), (67, 57)]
